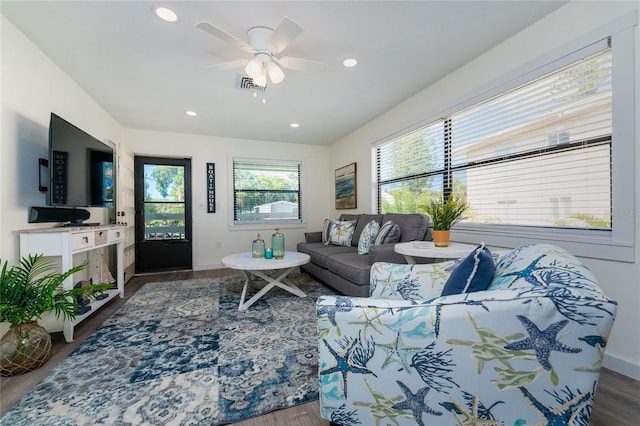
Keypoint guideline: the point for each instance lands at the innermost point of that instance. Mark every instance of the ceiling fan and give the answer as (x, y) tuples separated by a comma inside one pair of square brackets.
[(265, 44)]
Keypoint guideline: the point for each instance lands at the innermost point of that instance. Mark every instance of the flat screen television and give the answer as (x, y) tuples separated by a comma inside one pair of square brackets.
[(80, 167)]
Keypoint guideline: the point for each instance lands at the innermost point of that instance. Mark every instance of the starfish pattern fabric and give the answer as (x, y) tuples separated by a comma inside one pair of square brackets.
[(543, 342), (352, 359), (415, 403)]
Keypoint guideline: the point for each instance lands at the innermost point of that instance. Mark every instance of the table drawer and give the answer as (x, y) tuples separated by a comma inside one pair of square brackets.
[(82, 240), (116, 235), (100, 237)]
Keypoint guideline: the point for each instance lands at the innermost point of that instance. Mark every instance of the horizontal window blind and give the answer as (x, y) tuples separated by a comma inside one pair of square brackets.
[(536, 155), (540, 154), (410, 168), (266, 191)]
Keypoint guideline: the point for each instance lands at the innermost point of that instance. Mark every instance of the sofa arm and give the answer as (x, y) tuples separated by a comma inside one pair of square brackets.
[(409, 282), (313, 237), (385, 253)]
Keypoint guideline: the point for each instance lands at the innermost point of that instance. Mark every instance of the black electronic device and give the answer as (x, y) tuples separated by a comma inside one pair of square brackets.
[(66, 216), (80, 167)]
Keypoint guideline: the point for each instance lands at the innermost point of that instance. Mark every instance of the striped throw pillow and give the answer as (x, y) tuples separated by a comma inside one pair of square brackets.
[(389, 233)]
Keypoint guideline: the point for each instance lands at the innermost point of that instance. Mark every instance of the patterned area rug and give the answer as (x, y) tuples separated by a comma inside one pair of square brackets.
[(180, 353)]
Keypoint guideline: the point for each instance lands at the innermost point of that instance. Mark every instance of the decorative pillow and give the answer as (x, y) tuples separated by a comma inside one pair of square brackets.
[(368, 236), (389, 233), (325, 230), (341, 232), (474, 273)]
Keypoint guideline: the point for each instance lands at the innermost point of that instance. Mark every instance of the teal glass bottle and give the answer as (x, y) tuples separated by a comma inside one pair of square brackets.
[(257, 248), (277, 244)]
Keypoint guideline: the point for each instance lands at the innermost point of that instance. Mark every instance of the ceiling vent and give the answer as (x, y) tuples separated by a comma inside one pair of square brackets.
[(244, 82)]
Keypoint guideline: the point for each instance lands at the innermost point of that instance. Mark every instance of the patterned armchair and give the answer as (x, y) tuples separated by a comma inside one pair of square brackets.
[(527, 350)]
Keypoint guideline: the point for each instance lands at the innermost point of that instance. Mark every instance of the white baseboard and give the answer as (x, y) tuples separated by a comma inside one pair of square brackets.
[(621, 366), (206, 267)]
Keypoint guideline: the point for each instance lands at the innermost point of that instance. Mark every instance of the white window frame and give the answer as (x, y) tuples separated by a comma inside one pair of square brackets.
[(619, 242), (257, 226)]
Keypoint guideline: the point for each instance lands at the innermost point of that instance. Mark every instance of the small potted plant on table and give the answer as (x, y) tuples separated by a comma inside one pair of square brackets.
[(26, 292), (445, 214)]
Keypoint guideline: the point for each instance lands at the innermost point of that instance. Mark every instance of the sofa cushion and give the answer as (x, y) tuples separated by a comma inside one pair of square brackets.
[(389, 233), (363, 220), (412, 226), (350, 266), (341, 232), (349, 216), (320, 252), (368, 237), (474, 273)]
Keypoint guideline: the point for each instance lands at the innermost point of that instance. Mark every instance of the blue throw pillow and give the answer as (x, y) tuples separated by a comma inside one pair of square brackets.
[(474, 273)]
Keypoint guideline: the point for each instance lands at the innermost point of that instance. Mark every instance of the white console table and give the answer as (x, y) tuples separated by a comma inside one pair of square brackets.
[(66, 242)]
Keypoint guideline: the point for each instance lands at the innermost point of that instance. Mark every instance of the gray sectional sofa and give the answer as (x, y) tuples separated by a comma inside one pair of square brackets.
[(347, 271)]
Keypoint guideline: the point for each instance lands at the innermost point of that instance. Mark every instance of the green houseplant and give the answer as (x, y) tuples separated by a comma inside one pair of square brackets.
[(27, 291), (445, 214)]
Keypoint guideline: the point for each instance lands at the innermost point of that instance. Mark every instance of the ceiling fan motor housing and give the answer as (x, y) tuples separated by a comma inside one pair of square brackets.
[(258, 37)]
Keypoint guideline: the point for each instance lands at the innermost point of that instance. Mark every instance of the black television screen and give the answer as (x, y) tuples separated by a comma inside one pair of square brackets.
[(80, 167)]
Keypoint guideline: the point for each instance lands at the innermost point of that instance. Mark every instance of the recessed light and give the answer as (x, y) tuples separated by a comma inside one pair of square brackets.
[(166, 14), (294, 125), (350, 62), (191, 113)]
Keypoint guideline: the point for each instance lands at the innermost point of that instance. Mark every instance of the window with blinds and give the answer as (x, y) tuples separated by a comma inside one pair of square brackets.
[(266, 191), (537, 155)]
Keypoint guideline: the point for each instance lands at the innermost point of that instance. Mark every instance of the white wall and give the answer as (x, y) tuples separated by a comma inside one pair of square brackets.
[(33, 87), (570, 24), (212, 229)]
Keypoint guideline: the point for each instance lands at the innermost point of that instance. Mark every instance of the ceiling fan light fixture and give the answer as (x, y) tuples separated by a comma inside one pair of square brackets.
[(260, 79), (254, 68), (275, 72)]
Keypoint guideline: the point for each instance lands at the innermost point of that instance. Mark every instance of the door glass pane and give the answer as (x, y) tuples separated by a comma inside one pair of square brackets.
[(163, 183), (164, 221), (164, 209)]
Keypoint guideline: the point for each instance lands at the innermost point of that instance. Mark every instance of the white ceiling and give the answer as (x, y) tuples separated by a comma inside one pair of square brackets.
[(146, 73)]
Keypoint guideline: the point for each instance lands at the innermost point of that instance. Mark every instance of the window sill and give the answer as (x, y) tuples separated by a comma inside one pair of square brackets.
[(589, 244), (266, 226)]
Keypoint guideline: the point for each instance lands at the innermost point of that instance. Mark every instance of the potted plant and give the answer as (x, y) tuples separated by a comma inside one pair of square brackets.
[(27, 291), (445, 214)]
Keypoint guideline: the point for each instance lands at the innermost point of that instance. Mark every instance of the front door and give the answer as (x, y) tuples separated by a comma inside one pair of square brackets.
[(163, 214)]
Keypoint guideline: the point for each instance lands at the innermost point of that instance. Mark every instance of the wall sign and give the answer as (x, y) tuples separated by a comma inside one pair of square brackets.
[(59, 181), (211, 187)]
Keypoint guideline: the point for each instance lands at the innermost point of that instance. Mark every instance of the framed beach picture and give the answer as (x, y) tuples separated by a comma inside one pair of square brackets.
[(346, 187)]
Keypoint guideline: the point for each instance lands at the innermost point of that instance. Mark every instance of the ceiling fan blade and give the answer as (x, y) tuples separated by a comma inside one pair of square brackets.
[(223, 35), (228, 65), (299, 64), (284, 34)]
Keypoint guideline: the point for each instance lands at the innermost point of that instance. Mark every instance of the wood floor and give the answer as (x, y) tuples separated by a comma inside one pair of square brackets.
[(617, 400)]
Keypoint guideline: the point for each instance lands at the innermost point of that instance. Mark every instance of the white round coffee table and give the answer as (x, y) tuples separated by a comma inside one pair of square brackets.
[(249, 266), (413, 249)]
